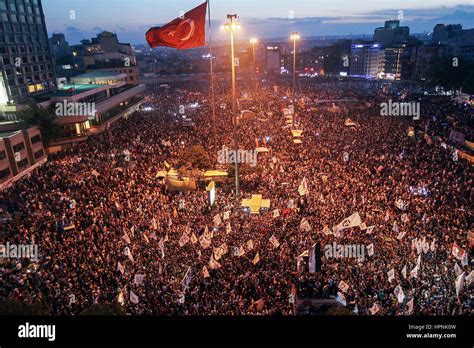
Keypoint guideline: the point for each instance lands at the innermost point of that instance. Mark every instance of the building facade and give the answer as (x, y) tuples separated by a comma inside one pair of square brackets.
[(26, 62), (20, 151), (367, 60)]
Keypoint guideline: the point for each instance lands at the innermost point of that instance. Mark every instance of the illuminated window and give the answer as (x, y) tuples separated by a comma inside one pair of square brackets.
[(31, 88), (39, 87)]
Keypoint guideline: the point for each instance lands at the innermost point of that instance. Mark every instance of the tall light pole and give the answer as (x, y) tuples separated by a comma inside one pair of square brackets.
[(294, 36), (231, 26), (253, 41)]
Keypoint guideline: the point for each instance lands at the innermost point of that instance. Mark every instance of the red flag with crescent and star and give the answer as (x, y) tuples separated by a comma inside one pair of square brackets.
[(184, 32)]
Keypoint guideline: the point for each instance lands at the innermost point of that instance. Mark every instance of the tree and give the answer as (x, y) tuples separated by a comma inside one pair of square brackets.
[(34, 115), (195, 157)]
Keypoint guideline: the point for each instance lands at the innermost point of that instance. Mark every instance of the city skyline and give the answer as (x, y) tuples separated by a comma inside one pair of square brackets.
[(349, 19)]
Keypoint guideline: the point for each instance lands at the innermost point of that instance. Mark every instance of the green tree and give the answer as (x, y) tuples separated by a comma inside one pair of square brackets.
[(34, 115), (195, 157)]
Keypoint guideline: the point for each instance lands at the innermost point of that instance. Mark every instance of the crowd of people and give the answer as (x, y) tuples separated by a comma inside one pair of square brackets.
[(101, 218)]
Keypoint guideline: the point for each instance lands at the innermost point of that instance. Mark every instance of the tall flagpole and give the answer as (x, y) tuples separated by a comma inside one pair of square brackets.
[(213, 97)]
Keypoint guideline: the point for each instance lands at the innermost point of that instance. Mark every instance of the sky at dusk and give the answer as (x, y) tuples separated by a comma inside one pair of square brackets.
[(130, 19)]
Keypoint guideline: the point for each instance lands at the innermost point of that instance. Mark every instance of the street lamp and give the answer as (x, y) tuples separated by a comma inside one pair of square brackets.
[(294, 36), (231, 26), (253, 41)]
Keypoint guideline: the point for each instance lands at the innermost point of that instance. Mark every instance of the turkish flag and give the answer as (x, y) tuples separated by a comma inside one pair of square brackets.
[(184, 32)]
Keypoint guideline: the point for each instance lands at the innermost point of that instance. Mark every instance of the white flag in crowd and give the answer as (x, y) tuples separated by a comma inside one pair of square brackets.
[(133, 297), (401, 235), (391, 275), (341, 298), (395, 228), (217, 220), (187, 278), (181, 204), (470, 278), (352, 221), (457, 269), (370, 249), (239, 251), (154, 224), (370, 229), (183, 240), (227, 215), (374, 309), (363, 226), (120, 268), (213, 264), (404, 217), (194, 239), (457, 251), (404, 272), (303, 188), (276, 213), (343, 286), (274, 242), (205, 272), (399, 293), (138, 279), (161, 245), (460, 283), (256, 259), (250, 245), (218, 252), (228, 228), (126, 238), (400, 204), (304, 225), (205, 241)]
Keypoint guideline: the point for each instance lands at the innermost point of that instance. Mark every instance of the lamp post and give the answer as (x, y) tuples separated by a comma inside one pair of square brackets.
[(294, 36), (253, 41), (231, 26)]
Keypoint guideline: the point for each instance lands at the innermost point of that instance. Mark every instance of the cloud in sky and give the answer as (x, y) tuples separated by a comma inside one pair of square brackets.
[(126, 19)]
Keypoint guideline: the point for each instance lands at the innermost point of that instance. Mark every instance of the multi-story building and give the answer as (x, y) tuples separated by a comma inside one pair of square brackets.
[(103, 52), (25, 56), (337, 58), (367, 60), (20, 151), (459, 41), (273, 59), (391, 33)]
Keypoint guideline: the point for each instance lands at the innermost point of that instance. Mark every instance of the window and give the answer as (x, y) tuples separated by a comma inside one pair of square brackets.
[(35, 139), (23, 163), (4, 173), (39, 154), (19, 147)]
